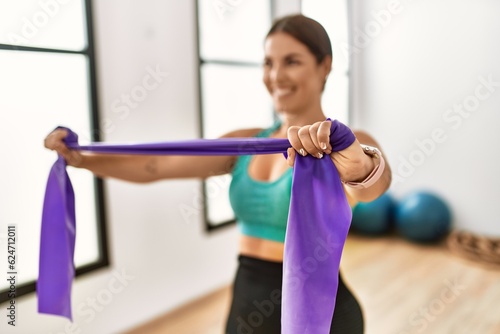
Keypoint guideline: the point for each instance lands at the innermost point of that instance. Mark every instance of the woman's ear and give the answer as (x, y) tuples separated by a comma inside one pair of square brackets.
[(326, 68), (326, 64)]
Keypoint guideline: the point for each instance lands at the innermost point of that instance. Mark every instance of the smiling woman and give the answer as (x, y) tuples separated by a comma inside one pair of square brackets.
[(295, 72), (298, 58)]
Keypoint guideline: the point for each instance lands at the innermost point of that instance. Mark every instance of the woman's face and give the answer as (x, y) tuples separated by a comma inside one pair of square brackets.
[(292, 75)]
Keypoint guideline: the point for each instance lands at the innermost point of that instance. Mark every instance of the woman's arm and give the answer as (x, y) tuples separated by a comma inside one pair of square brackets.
[(145, 168)]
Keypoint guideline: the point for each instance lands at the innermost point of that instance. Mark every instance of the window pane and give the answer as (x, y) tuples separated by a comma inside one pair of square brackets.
[(229, 106), (333, 15), (53, 24), (39, 92), (233, 97), (233, 30), (217, 199)]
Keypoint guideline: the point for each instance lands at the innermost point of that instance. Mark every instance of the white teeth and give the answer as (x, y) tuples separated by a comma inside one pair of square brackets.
[(282, 92)]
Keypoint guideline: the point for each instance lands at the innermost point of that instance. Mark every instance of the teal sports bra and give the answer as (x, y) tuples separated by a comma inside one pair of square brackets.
[(261, 207)]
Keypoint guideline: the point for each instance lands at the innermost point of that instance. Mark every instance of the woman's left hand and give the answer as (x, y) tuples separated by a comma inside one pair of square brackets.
[(352, 163)]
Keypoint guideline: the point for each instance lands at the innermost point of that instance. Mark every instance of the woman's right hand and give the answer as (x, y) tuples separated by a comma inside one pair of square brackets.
[(55, 141)]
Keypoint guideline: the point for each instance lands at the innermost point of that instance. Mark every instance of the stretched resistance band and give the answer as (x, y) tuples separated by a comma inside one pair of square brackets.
[(318, 222)]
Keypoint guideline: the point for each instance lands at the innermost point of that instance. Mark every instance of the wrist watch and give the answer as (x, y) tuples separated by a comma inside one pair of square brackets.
[(376, 172)]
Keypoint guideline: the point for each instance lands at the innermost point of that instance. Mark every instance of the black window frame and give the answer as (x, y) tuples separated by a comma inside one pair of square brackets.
[(209, 226)]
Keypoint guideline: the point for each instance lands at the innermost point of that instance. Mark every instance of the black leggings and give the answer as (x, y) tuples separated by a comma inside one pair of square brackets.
[(256, 304)]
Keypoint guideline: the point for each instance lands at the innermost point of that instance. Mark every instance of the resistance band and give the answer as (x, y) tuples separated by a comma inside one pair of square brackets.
[(318, 223)]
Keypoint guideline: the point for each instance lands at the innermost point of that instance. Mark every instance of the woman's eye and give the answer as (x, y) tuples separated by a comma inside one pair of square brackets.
[(292, 62)]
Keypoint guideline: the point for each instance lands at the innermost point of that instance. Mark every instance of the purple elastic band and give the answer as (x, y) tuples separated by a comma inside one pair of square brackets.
[(318, 222)]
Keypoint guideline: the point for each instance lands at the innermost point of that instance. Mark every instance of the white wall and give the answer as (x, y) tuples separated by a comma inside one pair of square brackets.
[(172, 260), (287, 7), (429, 57)]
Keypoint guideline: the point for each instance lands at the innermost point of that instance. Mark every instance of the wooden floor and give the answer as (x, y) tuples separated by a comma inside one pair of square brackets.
[(403, 288)]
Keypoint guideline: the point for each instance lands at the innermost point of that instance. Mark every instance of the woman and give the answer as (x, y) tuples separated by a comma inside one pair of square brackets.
[(298, 58)]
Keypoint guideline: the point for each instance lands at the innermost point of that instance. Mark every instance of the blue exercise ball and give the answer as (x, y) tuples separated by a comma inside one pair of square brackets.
[(422, 217), (375, 217)]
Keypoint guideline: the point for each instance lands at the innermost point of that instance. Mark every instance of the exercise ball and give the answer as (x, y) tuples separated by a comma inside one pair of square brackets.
[(422, 217), (375, 217)]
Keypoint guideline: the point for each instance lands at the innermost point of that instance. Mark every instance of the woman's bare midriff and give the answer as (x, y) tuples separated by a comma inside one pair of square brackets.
[(261, 248)]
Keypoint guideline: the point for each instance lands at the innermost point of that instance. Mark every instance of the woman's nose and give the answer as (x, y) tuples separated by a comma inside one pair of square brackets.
[(277, 73)]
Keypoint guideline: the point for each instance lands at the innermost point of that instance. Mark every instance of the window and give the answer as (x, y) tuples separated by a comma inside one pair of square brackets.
[(230, 40), (232, 96), (47, 79)]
